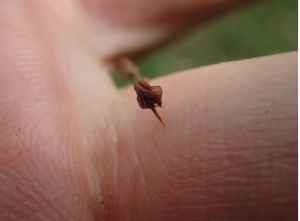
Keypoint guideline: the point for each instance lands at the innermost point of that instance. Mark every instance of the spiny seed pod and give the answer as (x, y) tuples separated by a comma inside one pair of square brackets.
[(148, 96)]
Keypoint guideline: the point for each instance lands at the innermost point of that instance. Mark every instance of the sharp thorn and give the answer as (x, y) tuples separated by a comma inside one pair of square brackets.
[(157, 115)]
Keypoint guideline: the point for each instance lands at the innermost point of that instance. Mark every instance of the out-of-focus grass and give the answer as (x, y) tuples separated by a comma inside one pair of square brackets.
[(265, 28)]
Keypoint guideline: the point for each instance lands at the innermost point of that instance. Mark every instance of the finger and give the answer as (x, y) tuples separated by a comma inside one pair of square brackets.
[(41, 78), (132, 25), (228, 151)]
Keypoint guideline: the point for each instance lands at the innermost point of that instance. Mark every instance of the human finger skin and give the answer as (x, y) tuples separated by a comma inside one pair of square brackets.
[(57, 121), (42, 176), (134, 27), (228, 151)]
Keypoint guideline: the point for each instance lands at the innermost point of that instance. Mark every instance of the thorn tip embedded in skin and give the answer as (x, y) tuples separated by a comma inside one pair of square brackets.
[(157, 115)]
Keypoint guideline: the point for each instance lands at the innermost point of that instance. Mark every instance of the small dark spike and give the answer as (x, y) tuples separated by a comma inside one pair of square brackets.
[(157, 115)]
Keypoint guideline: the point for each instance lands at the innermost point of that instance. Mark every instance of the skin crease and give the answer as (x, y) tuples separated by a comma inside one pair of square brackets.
[(73, 147)]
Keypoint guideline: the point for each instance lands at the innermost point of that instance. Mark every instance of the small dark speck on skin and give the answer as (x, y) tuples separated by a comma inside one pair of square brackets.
[(267, 112), (19, 128), (101, 202)]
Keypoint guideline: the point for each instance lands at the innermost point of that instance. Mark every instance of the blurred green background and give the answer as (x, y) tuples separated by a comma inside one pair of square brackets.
[(264, 28)]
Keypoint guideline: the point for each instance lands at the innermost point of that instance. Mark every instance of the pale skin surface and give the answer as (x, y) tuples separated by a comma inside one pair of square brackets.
[(73, 147)]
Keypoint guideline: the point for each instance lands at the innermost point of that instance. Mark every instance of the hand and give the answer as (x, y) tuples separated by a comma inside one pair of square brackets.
[(73, 147)]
